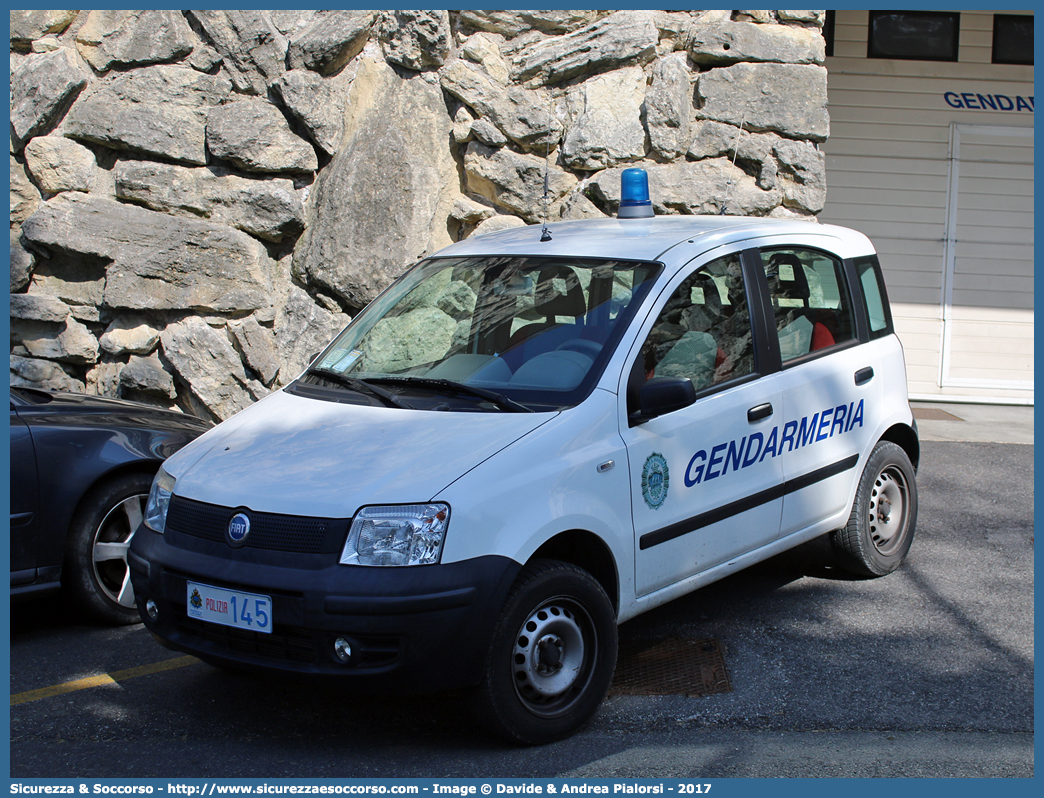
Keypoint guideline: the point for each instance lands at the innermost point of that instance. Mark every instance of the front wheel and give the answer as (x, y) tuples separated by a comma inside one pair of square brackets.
[(884, 514), (552, 657), (95, 569)]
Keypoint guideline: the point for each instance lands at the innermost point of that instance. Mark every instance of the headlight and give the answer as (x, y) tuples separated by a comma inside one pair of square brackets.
[(410, 534), (159, 499)]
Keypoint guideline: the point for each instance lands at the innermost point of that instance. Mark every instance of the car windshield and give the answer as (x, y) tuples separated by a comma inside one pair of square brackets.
[(504, 333)]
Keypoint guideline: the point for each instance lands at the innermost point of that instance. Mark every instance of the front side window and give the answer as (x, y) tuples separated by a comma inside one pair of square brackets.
[(703, 332), (809, 300), (517, 331)]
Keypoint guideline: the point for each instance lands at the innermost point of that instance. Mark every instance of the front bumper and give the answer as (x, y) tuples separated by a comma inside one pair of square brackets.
[(411, 629)]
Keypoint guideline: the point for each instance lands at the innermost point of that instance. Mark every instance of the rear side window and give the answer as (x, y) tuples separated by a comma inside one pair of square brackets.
[(810, 300), (872, 282)]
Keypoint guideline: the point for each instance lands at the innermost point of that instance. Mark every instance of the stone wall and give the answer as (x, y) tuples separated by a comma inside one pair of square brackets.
[(201, 199)]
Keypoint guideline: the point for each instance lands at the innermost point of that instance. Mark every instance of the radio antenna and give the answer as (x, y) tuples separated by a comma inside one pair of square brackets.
[(545, 234), (735, 153)]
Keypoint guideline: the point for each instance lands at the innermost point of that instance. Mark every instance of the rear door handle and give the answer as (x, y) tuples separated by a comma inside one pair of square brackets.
[(759, 412), (864, 375)]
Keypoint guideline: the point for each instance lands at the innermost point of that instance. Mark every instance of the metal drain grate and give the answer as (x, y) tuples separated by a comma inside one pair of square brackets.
[(670, 667), (934, 414)]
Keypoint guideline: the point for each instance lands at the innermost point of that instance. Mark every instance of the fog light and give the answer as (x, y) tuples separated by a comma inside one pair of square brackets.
[(342, 650), (151, 610)]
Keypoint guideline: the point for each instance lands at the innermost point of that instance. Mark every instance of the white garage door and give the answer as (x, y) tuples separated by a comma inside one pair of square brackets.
[(988, 279)]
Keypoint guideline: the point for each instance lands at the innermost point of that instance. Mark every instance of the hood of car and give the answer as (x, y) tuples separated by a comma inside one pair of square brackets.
[(76, 408), (300, 456)]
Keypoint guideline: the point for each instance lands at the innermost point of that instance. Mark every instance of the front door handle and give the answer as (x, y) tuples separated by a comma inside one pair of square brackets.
[(864, 376), (759, 412)]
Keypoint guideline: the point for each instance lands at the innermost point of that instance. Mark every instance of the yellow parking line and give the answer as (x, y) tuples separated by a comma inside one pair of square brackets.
[(105, 678)]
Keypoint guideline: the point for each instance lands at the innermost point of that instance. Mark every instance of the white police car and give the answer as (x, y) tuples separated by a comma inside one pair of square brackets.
[(531, 437)]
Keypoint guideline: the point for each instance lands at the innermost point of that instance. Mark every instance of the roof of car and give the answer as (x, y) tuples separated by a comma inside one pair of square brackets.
[(649, 239)]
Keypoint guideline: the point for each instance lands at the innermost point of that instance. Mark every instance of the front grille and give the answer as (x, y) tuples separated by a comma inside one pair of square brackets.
[(271, 531)]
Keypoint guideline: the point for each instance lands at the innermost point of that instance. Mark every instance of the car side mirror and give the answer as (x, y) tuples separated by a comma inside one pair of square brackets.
[(661, 395)]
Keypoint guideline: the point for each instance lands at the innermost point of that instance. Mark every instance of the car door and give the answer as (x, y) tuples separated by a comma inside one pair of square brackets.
[(24, 497), (701, 490), (830, 383)]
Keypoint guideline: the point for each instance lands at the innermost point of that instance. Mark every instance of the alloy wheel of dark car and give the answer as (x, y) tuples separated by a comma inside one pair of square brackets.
[(96, 558)]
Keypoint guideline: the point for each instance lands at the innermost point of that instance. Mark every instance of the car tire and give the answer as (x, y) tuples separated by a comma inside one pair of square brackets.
[(884, 515), (552, 657), (95, 571)]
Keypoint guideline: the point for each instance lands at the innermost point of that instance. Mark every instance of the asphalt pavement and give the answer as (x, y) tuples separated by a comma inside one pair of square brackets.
[(925, 672)]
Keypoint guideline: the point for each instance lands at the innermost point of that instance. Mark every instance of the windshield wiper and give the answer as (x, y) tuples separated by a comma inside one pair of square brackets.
[(501, 401), (363, 387)]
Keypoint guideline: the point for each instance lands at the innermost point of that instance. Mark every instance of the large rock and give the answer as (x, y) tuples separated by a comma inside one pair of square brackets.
[(415, 39), (331, 40), (28, 26), (148, 374), (133, 38), (255, 136), (495, 224), (156, 261), (32, 373), (59, 164), (513, 23), (74, 278), (606, 125), (43, 86), (732, 42), (38, 308), (523, 116), (130, 334), (316, 103), (483, 49), (790, 99), (621, 39), (22, 263), (302, 330), (515, 181), (711, 139), (257, 346), (384, 200), (206, 361), (104, 380), (269, 209), (253, 49), (802, 175), (25, 196), (700, 187), (668, 107), (69, 340), (160, 111)]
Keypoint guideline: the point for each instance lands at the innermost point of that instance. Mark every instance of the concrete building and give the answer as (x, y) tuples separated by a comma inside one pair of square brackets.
[(931, 155)]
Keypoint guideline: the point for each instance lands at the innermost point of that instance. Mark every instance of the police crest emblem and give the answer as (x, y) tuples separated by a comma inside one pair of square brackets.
[(656, 479)]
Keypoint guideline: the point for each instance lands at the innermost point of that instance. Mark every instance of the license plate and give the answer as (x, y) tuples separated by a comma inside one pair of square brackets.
[(230, 607)]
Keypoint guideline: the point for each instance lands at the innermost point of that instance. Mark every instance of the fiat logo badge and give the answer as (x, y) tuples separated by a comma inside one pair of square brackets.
[(238, 529)]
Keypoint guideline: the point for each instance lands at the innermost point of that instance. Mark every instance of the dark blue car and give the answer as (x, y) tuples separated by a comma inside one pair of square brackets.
[(81, 468)]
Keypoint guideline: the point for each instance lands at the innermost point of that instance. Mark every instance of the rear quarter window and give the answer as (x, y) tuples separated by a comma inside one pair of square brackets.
[(868, 270)]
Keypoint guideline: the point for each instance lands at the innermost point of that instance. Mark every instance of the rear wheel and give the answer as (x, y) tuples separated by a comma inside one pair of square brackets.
[(884, 515), (552, 657), (95, 569)]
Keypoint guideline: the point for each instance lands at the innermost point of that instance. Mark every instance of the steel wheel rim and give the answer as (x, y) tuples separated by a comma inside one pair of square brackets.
[(110, 543), (552, 656), (887, 510)]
